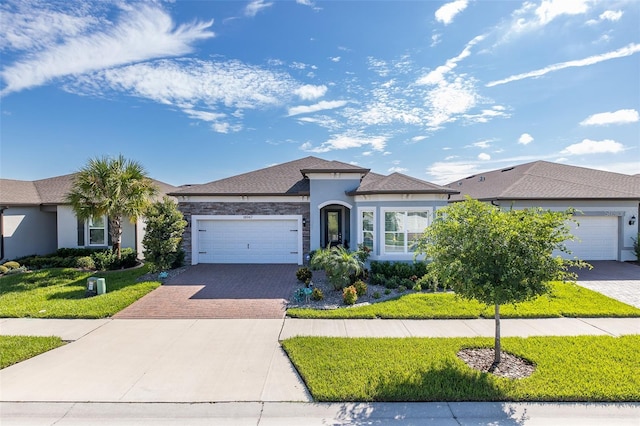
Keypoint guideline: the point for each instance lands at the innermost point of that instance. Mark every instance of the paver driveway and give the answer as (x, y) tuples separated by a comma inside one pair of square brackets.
[(220, 291), (618, 280)]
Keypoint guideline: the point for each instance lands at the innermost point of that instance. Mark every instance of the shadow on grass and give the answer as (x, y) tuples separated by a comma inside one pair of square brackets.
[(427, 400), (37, 279), (449, 383)]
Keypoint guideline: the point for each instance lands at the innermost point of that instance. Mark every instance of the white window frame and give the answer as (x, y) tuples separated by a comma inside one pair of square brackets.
[(104, 229), (405, 210), (361, 211)]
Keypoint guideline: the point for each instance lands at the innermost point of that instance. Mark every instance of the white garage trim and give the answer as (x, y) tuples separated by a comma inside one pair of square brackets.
[(260, 239)]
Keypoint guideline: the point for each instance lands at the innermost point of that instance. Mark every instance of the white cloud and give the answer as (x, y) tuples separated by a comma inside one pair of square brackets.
[(622, 116), (256, 6), (345, 141), (397, 170), (591, 60), (447, 12), (525, 139), (482, 144), (588, 146), (24, 27), (201, 89), (442, 172), (309, 91), (334, 58), (483, 156), (551, 9), (320, 106), (143, 32), (418, 138), (607, 15)]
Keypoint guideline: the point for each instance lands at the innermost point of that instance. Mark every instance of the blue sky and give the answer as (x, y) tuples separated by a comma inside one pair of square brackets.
[(201, 90)]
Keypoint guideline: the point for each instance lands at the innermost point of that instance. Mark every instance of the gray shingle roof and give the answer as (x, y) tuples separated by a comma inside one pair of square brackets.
[(48, 191), (545, 180), (396, 183), (289, 179)]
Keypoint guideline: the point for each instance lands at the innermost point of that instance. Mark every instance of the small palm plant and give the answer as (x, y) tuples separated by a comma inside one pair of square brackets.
[(339, 264)]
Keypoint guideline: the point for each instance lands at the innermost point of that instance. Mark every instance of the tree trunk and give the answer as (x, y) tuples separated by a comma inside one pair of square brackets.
[(115, 230), (497, 349)]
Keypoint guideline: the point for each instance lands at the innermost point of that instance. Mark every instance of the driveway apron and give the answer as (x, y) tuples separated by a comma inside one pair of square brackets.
[(618, 280), (215, 291)]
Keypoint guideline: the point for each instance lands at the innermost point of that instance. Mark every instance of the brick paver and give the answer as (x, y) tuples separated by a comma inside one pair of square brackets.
[(220, 291)]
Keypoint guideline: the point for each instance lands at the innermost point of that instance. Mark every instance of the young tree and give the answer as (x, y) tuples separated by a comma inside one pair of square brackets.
[(115, 187), (163, 234), (497, 256)]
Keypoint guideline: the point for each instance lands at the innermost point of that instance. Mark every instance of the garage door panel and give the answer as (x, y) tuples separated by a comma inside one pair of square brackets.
[(596, 238), (248, 241)]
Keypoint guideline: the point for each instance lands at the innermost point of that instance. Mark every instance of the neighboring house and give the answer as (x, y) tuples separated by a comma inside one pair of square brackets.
[(606, 203), (279, 214), (36, 219)]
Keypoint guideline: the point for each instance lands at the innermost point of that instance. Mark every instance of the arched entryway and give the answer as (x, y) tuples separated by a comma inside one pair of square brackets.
[(335, 226)]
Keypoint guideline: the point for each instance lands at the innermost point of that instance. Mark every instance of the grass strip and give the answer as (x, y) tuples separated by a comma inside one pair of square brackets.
[(581, 368), (59, 293), (14, 349), (565, 300)]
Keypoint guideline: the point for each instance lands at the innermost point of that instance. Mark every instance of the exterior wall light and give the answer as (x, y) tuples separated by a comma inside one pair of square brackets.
[(304, 222), (632, 221)]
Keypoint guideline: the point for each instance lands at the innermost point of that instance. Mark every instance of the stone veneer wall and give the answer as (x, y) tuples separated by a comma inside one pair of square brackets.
[(259, 208)]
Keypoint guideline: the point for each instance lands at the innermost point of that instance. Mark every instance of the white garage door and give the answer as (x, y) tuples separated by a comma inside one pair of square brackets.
[(596, 238), (248, 241)]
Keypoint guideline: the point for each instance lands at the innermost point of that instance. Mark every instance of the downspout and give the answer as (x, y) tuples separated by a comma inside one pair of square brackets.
[(2, 209)]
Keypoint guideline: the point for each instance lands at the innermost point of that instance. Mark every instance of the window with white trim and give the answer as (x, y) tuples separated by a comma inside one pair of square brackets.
[(97, 227), (402, 228), (367, 228)]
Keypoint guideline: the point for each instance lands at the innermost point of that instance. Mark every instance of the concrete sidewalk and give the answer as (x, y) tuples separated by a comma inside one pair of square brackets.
[(294, 414)]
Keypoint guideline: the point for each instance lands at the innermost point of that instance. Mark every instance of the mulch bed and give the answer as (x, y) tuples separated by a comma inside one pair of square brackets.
[(511, 366)]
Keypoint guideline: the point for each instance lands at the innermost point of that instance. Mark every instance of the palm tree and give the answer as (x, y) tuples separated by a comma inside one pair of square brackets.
[(115, 187)]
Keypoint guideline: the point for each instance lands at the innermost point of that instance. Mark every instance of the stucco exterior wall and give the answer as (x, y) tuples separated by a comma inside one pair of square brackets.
[(194, 208), (27, 231), (67, 225)]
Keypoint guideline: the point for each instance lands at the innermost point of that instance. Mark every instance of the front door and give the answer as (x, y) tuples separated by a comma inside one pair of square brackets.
[(333, 227)]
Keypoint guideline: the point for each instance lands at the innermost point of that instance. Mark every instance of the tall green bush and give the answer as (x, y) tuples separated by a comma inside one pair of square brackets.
[(163, 235)]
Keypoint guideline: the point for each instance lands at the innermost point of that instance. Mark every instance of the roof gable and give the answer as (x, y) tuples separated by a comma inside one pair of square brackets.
[(546, 180), (396, 183)]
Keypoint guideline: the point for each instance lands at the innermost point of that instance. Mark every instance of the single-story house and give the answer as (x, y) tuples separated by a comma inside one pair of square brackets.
[(36, 219), (279, 214), (606, 203)]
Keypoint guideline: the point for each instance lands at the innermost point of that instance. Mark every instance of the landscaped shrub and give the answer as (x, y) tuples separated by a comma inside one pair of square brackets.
[(349, 295), (377, 295), (108, 260), (11, 265), (75, 252), (387, 291), (304, 274), (317, 294), (417, 287), (339, 264), (401, 270), (3, 269), (361, 287), (85, 262), (636, 246), (17, 270), (401, 289)]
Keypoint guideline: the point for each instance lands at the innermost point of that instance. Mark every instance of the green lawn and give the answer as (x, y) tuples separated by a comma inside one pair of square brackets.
[(583, 368), (59, 293), (565, 300), (14, 349)]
